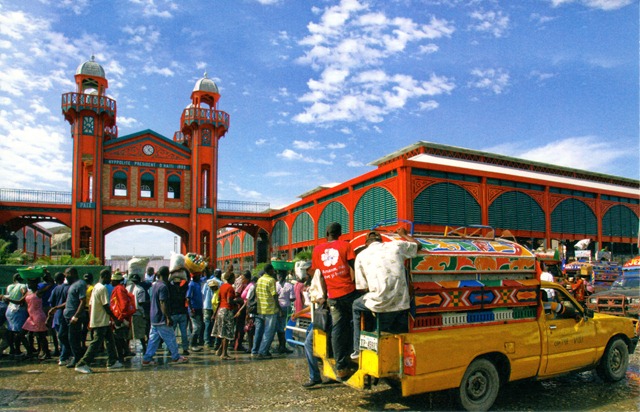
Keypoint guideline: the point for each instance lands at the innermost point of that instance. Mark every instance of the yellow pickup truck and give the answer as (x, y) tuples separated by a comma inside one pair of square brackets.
[(480, 317)]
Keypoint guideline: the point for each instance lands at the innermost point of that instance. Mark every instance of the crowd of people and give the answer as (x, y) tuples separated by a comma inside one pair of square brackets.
[(122, 314), (68, 317)]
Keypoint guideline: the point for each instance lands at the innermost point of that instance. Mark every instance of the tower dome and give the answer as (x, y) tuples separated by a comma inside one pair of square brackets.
[(206, 85), (91, 68)]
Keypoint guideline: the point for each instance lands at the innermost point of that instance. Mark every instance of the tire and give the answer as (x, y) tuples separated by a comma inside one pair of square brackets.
[(614, 362), (479, 387)]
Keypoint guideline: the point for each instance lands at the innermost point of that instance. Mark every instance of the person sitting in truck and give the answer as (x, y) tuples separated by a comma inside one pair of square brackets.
[(380, 271), (555, 309)]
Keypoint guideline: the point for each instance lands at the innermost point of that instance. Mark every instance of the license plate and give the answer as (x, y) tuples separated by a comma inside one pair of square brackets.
[(369, 342)]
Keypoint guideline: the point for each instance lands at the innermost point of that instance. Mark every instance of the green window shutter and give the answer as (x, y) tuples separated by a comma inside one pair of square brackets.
[(280, 236), (248, 243), (334, 212), (620, 221), (219, 252), (235, 247), (302, 228), (376, 205), (227, 248), (517, 211), (573, 216), (446, 204)]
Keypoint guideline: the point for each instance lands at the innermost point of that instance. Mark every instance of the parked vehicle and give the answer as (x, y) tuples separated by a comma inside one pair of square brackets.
[(478, 321), (623, 298)]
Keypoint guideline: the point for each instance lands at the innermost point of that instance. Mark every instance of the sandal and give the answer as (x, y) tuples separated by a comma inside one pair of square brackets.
[(225, 357)]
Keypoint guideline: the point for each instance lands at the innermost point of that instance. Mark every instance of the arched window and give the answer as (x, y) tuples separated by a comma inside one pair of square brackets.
[(173, 187), (620, 221), (235, 245), (119, 184), (302, 228), (147, 185), (516, 210), (333, 212), (248, 243), (446, 204), (573, 216), (375, 206), (280, 235)]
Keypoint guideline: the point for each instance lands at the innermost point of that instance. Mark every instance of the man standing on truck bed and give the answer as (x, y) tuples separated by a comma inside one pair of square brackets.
[(335, 260), (381, 273)]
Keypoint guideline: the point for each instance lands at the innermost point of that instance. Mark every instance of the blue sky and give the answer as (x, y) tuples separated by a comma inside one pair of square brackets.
[(317, 90)]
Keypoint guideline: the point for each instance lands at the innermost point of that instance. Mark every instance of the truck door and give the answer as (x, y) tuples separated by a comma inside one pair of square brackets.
[(571, 340)]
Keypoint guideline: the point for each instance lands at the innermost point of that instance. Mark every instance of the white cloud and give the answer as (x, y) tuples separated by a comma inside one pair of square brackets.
[(151, 9), (569, 152), (428, 48), (348, 46), (306, 145), (355, 163), (493, 22), (278, 174), (541, 76), (162, 71), (289, 154), (494, 80), (127, 121), (261, 142), (334, 146), (145, 36), (605, 5), (428, 105)]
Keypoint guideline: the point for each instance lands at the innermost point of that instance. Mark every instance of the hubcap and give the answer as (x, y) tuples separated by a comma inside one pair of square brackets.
[(477, 385)]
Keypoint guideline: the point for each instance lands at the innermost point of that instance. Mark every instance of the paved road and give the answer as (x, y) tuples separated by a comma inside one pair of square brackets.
[(243, 384)]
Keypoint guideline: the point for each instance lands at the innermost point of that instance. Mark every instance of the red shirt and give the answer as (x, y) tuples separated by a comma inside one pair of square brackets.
[(332, 259), (226, 291)]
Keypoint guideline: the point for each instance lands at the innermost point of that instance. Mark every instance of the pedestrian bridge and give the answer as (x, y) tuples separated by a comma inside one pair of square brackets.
[(20, 207)]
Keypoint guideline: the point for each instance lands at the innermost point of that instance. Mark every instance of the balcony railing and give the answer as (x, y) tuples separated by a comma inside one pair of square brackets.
[(81, 101), (205, 116), (64, 198)]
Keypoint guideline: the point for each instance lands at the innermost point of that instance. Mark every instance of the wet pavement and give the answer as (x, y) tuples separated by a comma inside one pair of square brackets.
[(243, 384)]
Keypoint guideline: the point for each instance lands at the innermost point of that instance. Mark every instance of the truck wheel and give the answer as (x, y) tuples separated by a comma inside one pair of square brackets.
[(614, 362), (479, 387)]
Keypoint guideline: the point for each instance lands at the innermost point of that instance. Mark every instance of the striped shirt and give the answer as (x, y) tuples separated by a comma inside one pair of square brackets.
[(265, 291)]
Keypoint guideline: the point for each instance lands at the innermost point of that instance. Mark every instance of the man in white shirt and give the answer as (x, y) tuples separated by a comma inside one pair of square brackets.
[(380, 271), (547, 276)]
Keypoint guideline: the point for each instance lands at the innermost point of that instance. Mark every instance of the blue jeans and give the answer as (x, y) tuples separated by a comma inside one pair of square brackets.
[(165, 333), (265, 331), (180, 321), (208, 326), (342, 329), (357, 310), (312, 361), (63, 337), (198, 327)]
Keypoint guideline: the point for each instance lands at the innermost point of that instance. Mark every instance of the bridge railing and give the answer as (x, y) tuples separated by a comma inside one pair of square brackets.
[(64, 198), (35, 196), (241, 206)]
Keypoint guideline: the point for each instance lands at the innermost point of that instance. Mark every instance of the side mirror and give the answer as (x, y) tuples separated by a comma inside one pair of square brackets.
[(588, 313)]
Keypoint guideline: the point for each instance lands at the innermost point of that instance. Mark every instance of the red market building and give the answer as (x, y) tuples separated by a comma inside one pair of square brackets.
[(435, 185)]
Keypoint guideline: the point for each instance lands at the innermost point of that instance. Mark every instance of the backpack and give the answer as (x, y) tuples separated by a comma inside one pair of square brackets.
[(252, 302), (123, 303)]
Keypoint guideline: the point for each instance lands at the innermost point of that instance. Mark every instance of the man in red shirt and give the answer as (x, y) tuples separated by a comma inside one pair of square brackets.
[(335, 260)]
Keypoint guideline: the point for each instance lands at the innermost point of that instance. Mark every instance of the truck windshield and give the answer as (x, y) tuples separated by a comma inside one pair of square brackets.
[(626, 282)]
